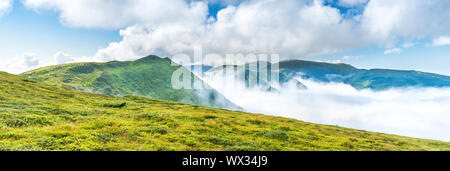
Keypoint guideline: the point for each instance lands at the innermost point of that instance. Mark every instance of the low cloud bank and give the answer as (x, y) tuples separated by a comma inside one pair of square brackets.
[(5, 6), (27, 61), (413, 112)]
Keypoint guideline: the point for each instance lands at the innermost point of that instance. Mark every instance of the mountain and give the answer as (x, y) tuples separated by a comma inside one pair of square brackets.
[(35, 116), (146, 77), (375, 79)]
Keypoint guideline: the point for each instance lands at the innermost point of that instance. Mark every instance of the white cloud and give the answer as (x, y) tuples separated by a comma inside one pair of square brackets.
[(414, 112), (5, 6), (30, 60), (392, 51), (346, 57), (18, 65), (335, 61), (62, 58), (117, 14), (291, 28), (441, 41), (408, 44), (386, 22), (294, 29)]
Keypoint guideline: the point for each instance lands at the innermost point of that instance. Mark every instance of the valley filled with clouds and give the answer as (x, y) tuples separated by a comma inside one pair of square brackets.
[(411, 111)]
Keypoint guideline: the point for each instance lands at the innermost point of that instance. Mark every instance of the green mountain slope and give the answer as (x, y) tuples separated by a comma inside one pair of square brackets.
[(146, 77), (37, 116)]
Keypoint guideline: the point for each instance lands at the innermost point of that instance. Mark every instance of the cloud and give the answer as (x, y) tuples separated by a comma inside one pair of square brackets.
[(414, 112), (5, 6), (441, 41), (294, 29), (290, 28), (18, 65), (30, 60), (122, 13), (334, 61), (408, 44), (386, 22), (392, 51), (62, 58), (346, 57)]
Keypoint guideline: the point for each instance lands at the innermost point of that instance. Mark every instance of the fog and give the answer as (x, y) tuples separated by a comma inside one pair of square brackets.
[(413, 112)]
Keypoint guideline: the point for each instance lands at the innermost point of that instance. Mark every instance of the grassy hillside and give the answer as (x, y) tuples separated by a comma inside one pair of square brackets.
[(146, 77), (37, 116)]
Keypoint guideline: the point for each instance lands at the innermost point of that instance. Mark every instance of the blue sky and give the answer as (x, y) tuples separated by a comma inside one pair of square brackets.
[(26, 31), (40, 32)]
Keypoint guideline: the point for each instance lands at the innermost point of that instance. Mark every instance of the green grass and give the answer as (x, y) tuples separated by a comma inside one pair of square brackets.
[(38, 116)]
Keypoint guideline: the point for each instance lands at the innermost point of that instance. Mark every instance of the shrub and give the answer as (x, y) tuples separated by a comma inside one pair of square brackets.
[(152, 116), (85, 69), (47, 143), (210, 117), (29, 81), (103, 137), (280, 135), (115, 105), (16, 136), (347, 145), (219, 141), (256, 122), (285, 128), (155, 130), (27, 120)]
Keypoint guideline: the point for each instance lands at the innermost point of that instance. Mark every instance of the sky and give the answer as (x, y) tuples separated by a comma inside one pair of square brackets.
[(401, 34)]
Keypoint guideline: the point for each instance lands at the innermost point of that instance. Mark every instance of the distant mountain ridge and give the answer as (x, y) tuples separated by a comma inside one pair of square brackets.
[(147, 77), (374, 79)]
